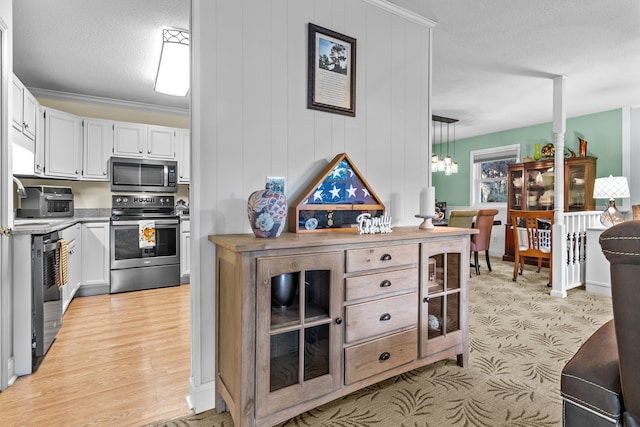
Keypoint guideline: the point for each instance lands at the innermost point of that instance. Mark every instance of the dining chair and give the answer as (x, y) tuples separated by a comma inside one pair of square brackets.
[(482, 240), (531, 238), (461, 218)]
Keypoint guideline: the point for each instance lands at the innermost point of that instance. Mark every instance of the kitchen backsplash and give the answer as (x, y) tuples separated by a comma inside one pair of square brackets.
[(87, 194)]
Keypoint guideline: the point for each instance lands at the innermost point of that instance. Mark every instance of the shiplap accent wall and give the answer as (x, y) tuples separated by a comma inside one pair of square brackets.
[(250, 120)]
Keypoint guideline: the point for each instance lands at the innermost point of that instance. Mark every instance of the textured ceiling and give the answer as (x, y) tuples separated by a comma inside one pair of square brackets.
[(105, 48), (493, 61)]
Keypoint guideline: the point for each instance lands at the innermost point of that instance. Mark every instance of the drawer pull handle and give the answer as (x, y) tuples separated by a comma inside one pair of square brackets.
[(385, 257), (385, 284), (385, 317), (384, 356)]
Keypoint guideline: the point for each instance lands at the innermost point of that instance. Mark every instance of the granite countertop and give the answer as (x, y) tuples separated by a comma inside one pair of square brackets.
[(48, 225)]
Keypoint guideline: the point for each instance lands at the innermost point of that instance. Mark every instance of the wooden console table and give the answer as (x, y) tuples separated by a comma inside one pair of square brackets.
[(306, 318)]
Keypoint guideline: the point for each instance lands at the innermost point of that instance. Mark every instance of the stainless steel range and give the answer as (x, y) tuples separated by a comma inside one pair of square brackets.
[(145, 243)]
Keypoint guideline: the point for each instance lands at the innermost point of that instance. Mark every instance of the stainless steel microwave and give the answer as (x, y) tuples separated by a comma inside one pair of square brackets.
[(144, 175)]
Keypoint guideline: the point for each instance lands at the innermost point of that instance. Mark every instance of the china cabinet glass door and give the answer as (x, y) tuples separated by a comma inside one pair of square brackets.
[(539, 188), (298, 349), (579, 178)]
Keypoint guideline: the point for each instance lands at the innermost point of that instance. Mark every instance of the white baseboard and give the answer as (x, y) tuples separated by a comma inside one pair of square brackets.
[(203, 397)]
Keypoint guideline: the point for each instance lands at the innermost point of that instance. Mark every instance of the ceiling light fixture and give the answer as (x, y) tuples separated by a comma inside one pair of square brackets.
[(444, 164), (173, 69)]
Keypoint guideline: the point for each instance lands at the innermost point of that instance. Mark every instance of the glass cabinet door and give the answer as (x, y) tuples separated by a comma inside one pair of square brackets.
[(443, 296), (515, 188), (578, 184), (299, 331), (540, 182)]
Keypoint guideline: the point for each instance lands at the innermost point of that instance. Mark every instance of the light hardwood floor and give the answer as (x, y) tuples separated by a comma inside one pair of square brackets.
[(118, 360)]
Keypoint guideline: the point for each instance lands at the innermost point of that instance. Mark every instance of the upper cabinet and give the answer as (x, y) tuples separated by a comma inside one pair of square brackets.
[(25, 110), (62, 144), (97, 143), (143, 141), (183, 154), (129, 139)]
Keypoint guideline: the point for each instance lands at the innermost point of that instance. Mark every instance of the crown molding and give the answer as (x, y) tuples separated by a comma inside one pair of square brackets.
[(403, 13), (110, 102)]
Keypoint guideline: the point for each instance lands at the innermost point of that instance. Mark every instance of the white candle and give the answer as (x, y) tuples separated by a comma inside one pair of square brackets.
[(428, 201)]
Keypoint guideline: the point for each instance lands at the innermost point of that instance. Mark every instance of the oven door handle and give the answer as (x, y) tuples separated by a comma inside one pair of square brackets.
[(157, 222)]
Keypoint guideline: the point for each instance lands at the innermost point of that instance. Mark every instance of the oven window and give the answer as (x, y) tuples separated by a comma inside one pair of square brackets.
[(127, 247)]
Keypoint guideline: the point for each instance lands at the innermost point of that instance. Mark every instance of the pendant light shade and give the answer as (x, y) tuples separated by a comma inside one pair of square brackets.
[(445, 164)]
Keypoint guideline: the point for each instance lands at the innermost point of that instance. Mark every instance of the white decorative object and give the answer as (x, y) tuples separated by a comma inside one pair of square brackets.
[(428, 202), (433, 322), (373, 225)]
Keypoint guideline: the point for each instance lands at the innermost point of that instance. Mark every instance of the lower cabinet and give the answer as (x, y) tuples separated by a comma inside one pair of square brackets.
[(305, 319), (95, 258), (72, 235)]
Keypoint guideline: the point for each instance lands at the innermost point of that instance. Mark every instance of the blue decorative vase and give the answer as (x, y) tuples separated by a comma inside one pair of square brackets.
[(267, 212)]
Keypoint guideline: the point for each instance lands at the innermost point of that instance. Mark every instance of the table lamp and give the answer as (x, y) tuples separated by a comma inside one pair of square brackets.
[(611, 187)]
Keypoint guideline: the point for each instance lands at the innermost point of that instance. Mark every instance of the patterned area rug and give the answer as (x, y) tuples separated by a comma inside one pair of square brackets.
[(520, 339)]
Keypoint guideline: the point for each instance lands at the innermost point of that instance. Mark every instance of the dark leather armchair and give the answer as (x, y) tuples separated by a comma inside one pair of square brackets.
[(482, 240), (600, 385)]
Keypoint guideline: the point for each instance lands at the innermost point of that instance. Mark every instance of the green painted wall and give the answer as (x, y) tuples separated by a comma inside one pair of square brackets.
[(603, 131)]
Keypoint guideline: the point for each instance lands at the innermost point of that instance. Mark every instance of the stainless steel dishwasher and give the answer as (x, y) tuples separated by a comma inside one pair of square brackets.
[(47, 295)]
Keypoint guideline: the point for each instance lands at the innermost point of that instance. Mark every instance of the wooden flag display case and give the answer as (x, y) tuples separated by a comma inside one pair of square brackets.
[(334, 200)]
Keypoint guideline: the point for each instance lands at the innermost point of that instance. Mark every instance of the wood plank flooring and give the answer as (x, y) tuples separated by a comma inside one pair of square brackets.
[(118, 360)]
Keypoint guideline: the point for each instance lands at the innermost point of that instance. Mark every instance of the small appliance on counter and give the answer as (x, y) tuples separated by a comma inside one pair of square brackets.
[(182, 208), (45, 201)]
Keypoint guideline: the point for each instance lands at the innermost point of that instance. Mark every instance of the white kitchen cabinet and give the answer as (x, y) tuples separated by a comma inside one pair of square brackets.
[(39, 144), (185, 250), (62, 144), (161, 143), (129, 139), (97, 144), (23, 135), (25, 109), (142, 141), (95, 258), (72, 235), (183, 153)]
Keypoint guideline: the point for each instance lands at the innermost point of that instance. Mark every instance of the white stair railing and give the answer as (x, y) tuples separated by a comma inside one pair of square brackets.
[(575, 258)]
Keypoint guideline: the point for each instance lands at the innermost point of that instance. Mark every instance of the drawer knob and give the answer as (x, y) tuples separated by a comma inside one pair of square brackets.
[(385, 257), (384, 356), (385, 284), (385, 317), (338, 320)]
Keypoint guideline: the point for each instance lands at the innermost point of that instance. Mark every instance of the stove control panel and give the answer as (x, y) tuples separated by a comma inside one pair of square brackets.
[(141, 201)]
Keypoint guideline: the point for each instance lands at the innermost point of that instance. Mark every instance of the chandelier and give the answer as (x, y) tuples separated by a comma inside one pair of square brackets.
[(442, 163)]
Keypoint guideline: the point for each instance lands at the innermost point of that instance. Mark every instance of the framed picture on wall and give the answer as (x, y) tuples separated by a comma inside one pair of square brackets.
[(331, 84)]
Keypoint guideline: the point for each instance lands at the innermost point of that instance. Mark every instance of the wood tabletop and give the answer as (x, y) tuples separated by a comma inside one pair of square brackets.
[(248, 242)]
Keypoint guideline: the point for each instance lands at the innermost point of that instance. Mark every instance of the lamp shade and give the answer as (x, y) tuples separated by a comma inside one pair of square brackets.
[(173, 69), (611, 187)]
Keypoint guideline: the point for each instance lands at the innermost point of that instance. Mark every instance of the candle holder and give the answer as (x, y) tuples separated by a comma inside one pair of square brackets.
[(427, 224)]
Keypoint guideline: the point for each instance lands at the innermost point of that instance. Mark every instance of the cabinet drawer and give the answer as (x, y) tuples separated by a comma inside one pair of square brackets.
[(373, 285), (371, 358), (381, 316), (381, 257)]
